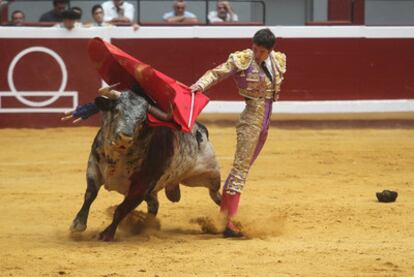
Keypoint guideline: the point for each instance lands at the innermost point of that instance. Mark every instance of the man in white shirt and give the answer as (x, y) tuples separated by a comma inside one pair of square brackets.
[(98, 18), (118, 11), (223, 13), (179, 14)]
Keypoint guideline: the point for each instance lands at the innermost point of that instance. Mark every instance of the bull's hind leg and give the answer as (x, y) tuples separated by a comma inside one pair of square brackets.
[(94, 182), (214, 190), (206, 172), (211, 180)]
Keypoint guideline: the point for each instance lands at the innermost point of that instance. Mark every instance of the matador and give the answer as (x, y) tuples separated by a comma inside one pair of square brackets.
[(258, 73)]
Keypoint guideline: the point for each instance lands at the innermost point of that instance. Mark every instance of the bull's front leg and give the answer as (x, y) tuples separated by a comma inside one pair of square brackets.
[(135, 196), (94, 182), (79, 224), (152, 203)]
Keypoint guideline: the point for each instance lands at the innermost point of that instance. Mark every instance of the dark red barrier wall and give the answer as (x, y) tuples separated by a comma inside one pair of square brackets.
[(40, 72), (318, 68), (349, 69)]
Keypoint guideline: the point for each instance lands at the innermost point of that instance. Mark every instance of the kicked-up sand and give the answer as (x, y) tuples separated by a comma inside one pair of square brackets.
[(309, 209)]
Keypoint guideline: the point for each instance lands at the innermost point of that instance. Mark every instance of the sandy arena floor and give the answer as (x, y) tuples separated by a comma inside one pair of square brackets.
[(309, 207)]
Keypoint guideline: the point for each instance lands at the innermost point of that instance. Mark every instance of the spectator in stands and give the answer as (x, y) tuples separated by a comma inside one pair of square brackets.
[(179, 14), (70, 20), (55, 15), (98, 17), (223, 13), (17, 18), (79, 11), (118, 11)]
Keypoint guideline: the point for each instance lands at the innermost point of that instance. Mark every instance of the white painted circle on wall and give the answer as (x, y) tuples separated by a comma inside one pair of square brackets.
[(56, 94)]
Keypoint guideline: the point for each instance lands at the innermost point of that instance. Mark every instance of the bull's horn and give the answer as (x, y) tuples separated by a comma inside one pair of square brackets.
[(108, 88), (161, 115), (110, 92)]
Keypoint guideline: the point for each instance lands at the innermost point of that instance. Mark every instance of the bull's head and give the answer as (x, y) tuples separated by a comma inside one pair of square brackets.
[(124, 115)]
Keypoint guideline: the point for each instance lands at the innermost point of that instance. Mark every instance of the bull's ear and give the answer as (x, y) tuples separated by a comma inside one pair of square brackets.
[(104, 103)]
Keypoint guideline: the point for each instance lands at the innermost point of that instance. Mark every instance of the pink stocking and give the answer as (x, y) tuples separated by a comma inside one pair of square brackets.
[(229, 205)]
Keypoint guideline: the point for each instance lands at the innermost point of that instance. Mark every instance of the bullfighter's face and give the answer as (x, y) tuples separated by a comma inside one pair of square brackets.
[(260, 53)]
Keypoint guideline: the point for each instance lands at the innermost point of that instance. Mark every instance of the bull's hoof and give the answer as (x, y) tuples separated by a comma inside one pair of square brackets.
[(173, 193), (215, 196), (77, 226), (105, 236), (153, 209)]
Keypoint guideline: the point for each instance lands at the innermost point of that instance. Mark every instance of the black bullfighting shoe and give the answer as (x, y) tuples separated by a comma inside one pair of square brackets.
[(232, 233)]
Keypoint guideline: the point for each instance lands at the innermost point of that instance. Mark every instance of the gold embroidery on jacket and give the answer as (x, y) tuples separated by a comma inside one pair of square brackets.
[(257, 86), (242, 59)]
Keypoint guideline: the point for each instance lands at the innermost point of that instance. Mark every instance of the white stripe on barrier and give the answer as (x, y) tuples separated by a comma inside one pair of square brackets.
[(38, 108), (313, 107), (210, 32)]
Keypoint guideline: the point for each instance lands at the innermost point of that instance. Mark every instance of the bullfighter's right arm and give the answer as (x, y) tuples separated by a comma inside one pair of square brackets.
[(237, 61)]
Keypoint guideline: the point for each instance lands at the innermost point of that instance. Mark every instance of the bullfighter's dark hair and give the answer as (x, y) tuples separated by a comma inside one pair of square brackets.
[(264, 38)]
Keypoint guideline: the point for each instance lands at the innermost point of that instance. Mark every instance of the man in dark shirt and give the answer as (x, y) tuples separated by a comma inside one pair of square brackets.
[(54, 15)]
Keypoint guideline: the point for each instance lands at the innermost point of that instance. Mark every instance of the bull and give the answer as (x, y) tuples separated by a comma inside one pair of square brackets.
[(138, 160)]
